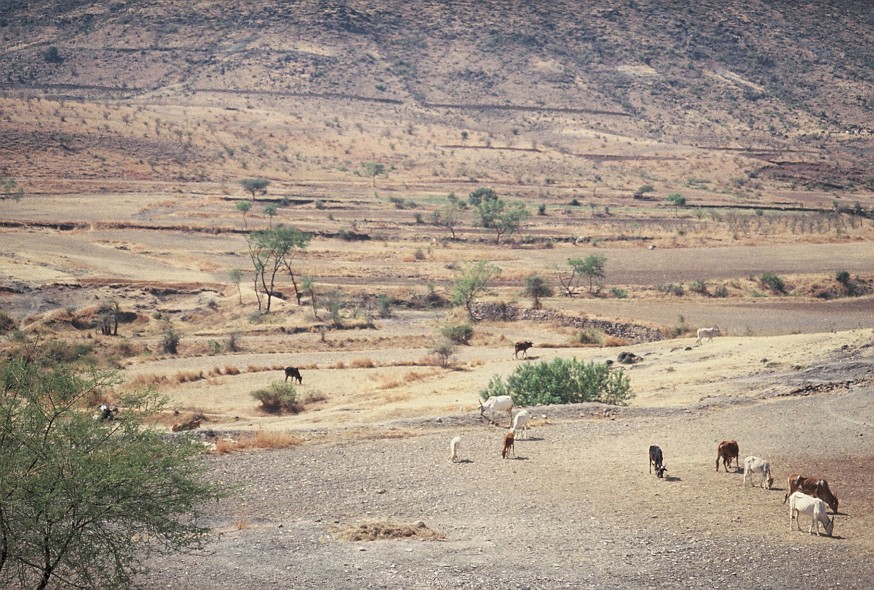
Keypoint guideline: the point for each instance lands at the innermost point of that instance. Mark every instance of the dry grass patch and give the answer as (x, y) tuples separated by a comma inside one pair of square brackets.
[(188, 376), (381, 531), (613, 341), (261, 439), (362, 363)]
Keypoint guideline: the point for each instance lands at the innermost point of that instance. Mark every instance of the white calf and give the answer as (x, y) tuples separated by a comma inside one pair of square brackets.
[(455, 449), (802, 503), (520, 422), (495, 404), (756, 465), (708, 333)]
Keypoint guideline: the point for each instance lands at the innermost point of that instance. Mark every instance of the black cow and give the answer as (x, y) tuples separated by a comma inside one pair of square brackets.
[(656, 458), (523, 348), (294, 373)]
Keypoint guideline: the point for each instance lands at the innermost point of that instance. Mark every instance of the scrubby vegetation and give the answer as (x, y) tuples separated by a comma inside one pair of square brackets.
[(562, 381)]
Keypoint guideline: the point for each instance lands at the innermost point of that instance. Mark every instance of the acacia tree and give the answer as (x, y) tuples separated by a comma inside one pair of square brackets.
[(493, 213), (243, 207), (471, 281), (84, 501), (9, 189), (449, 215), (536, 287), (678, 200), (272, 250), (256, 186), (592, 267)]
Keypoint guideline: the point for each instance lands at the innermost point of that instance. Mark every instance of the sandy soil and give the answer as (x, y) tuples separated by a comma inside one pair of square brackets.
[(575, 507)]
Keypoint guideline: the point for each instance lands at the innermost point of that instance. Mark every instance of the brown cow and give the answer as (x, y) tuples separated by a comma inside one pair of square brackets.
[(812, 486), (294, 373), (509, 446), (727, 450)]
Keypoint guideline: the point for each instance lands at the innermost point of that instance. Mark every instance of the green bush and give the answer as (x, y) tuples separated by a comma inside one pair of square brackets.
[(562, 381), (772, 282), (278, 397), (460, 334), (589, 337), (619, 293)]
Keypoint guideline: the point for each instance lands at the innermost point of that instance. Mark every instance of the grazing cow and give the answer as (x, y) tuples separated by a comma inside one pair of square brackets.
[(520, 422), (756, 465), (656, 458), (708, 333), (497, 403), (814, 507), (522, 347), (509, 446), (812, 486), (727, 450), (294, 373), (455, 449)]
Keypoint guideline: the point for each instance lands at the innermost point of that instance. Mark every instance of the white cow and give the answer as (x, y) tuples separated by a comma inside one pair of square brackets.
[(455, 449), (495, 404), (802, 503), (708, 333), (756, 465), (520, 422)]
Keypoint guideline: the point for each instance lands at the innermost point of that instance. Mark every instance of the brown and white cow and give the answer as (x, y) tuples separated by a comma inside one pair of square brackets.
[(726, 451), (812, 486)]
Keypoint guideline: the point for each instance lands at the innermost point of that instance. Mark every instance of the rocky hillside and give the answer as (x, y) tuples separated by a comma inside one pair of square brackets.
[(707, 74)]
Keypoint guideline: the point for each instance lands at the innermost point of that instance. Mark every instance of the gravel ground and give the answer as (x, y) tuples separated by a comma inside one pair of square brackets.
[(575, 507)]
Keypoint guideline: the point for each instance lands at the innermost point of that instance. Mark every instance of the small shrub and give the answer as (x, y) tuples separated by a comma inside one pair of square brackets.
[(7, 324), (721, 291), (214, 347), (170, 341), (459, 334), (383, 304), (444, 350), (278, 397), (541, 209), (589, 337), (619, 293), (772, 282), (699, 287), (233, 342), (362, 363)]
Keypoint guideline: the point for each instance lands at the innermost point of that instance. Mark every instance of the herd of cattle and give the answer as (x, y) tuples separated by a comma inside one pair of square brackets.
[(810, 496)]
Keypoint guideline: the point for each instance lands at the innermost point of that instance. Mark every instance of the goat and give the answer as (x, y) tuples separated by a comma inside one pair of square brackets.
[(497, 403), (522, 347), (708, 333), (727, 450), (294, 373), (802, 503), (812, 486), (656, 458), (509, 446), (107, 413), (520, 422), (455, 449), (756, 465)]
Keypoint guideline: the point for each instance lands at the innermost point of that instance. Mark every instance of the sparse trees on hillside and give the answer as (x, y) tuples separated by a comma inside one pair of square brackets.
[(493, 213), (449, 215), (373, 169), (678, 200), (536, 287), (9, 189), (272, 250), (471, 282), (244, 207), (592, 267), (256, 186)]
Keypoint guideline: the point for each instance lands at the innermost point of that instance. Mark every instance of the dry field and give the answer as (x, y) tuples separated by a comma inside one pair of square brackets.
[(130, 142)]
